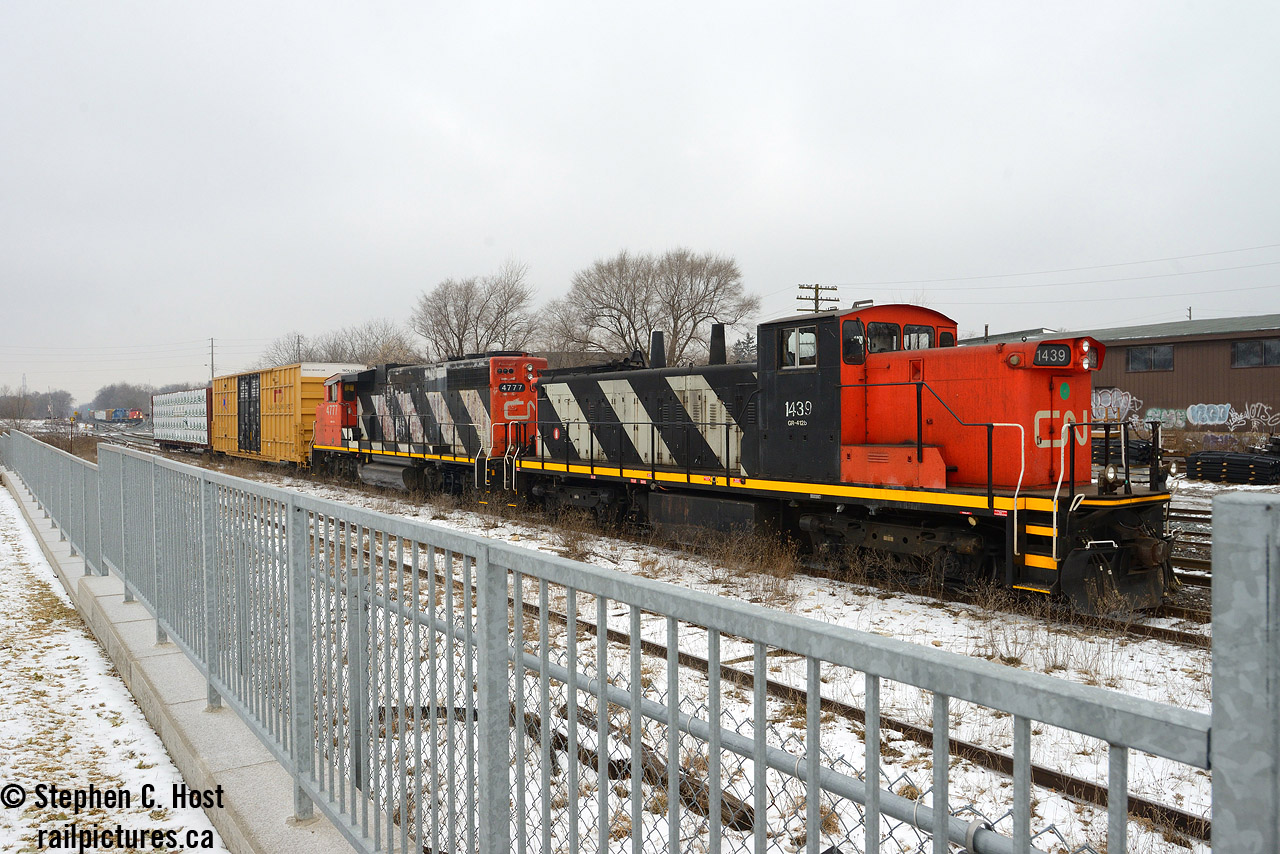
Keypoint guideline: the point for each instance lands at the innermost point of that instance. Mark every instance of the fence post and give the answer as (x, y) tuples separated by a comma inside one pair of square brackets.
[(359, 640), (62, 498), (124, 536), (1245, 745), (493, 707), (301, 664), (156, 598), (208, 557)]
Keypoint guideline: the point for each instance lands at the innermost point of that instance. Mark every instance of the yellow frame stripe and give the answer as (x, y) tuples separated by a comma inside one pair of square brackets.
[(819, 490), (1041, 561)]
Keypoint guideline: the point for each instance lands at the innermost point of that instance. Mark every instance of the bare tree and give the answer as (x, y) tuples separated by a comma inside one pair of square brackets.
[(123, 396), (695, 291), (378, 342), (472, 315), (21, 403), (374, 342), (286, 350), (614, 305)]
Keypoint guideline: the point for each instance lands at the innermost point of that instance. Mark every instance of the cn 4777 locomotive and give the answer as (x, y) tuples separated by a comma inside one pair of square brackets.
[(862, 428)]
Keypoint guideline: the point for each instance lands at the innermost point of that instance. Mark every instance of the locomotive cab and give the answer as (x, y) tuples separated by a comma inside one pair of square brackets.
[(816, 372)]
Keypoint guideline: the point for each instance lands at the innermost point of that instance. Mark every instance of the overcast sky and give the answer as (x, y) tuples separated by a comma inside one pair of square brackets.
[(172, 172)]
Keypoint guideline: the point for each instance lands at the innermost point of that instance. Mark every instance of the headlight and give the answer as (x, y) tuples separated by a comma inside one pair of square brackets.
[(1111, 474), (1084, 346)]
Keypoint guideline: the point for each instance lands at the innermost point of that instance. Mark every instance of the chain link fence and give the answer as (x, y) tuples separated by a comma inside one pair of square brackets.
[(433, 691)]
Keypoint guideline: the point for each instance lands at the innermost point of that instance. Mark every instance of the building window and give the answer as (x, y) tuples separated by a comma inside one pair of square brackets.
[(799, 347), (1255, 354), (1155, 358)]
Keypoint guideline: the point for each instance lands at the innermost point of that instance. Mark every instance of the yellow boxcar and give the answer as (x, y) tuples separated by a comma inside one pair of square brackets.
[(270, 415)]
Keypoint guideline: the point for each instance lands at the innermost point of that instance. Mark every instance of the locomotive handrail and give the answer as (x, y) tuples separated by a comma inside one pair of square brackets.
[(1062, 470), (1154, 465), (729, 425)]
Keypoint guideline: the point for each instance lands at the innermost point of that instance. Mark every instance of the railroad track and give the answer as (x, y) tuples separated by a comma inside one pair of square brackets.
[(1074, 787), (1162, 815), (1109, 624)]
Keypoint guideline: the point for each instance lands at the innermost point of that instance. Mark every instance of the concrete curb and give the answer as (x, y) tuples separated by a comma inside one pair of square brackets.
[(209, 747)]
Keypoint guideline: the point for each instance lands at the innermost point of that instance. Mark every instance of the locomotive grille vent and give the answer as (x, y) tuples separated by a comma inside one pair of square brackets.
[(877, 456)]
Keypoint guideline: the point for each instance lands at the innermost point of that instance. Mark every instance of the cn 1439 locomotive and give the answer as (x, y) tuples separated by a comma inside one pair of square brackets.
[(863, 428)]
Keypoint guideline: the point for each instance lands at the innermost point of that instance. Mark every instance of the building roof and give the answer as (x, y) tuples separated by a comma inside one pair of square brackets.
[(1007, 337), (1218, 326)]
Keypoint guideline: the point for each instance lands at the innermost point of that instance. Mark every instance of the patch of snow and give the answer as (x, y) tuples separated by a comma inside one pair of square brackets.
[(66, 718)]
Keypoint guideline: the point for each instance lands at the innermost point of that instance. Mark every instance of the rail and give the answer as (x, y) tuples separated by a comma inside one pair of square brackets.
[(419, 716)]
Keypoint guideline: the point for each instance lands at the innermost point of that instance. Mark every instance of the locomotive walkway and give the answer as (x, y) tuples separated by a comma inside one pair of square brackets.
[(211, 748)]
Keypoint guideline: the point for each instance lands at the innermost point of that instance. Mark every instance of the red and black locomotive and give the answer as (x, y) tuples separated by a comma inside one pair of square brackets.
[(861, 428)]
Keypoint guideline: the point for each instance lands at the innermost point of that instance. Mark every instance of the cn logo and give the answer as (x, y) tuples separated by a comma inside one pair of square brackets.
[(516, 410), (1045, 435)]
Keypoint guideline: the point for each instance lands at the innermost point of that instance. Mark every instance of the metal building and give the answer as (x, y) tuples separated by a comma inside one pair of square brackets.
[(1218, 376)]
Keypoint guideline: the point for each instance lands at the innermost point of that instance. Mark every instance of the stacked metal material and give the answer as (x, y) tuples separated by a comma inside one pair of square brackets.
[(1139, 450), (1234, 468)]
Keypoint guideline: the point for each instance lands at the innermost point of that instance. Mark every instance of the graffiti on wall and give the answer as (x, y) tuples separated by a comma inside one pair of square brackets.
[(1170, 419), (1114, 404), (1257, 417)]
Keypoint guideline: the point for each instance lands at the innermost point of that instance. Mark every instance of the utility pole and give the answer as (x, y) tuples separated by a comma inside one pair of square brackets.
[(210, 361), (1188, 312), (817, 297)]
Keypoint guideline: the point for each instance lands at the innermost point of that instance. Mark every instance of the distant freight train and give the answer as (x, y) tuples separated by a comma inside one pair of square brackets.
[(857, 429), (119, 416)]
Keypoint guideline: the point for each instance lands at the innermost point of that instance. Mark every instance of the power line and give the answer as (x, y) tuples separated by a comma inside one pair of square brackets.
[(1113, 299), (886, 283), (817, 297), (1091, 267)]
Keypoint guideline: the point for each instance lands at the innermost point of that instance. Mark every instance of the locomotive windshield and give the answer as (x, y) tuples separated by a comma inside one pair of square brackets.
[(883, 337), (853, 342)]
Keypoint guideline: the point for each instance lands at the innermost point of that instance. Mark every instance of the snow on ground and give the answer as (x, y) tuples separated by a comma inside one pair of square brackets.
[(1149, 669), (66, 718)]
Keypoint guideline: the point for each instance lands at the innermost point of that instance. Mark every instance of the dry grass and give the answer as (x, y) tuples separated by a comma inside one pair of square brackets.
[(766, 563), (85, 447)]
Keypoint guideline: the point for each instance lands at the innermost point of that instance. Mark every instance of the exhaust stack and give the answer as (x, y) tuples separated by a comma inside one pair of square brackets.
[(657, 350), (718, 355)]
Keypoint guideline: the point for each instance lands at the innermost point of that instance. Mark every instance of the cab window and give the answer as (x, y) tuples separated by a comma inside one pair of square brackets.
[(348, 391), (917, 337), (798, 347), (946, 338), (883, 337), (853, 344)]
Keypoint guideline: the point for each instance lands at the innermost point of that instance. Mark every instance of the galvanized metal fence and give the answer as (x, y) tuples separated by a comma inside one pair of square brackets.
[(430, 690)]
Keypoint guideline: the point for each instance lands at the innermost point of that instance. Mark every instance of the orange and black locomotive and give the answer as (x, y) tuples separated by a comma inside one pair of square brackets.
[(861, 428)]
